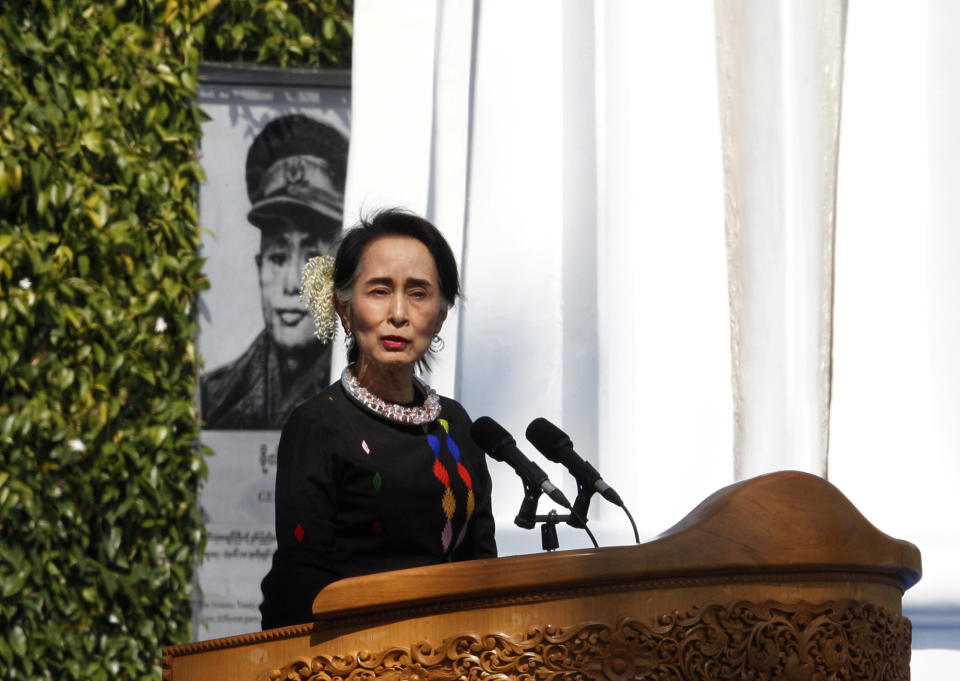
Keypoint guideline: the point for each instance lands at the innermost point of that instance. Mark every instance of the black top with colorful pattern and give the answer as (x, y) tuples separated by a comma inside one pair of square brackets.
[(357, 494)]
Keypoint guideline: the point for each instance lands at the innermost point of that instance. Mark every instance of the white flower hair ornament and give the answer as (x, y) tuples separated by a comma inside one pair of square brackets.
[(316, 292)]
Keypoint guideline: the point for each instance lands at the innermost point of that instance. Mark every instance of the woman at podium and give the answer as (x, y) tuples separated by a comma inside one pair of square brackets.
[(377, 472)]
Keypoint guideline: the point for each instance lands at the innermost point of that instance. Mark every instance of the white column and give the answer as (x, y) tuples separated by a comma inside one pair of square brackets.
[(392, 106), (411, 111), (780, 67), (512, 325), (665, 436), (579, 356), (449, 158), (895, 435)]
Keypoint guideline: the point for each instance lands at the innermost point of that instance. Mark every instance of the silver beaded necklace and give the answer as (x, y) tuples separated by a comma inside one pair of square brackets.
[(398, 413)]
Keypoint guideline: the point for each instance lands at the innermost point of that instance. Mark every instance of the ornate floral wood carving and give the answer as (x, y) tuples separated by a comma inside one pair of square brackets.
[(837, 640)]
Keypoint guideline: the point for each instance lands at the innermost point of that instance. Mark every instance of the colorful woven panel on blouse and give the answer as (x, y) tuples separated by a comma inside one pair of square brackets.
[(449, 501)]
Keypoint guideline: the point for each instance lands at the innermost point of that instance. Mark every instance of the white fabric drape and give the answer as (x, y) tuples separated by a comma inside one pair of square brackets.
[(895, 433), (411, 112), (780, 72), (573, 150), (583, 179)]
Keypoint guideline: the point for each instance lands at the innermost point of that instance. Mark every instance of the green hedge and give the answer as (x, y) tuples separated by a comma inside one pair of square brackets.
[(303, 33), (99, 274)]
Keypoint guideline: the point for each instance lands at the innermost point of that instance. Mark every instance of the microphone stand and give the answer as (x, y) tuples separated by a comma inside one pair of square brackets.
[(582, 503), (548, 530), (527, 518)]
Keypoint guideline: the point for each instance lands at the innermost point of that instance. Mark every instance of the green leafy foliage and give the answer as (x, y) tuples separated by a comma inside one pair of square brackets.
[(279, 32), (99, 274)]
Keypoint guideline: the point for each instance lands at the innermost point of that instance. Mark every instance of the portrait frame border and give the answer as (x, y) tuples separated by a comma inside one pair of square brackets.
[(213, 74), (220, 73), (210, 77)]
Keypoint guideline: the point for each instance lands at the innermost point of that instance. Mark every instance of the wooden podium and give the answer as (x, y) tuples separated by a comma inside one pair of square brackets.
[(778, 577)]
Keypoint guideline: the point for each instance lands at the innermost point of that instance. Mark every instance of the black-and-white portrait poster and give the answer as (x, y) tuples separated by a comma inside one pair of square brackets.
[(274, 152)]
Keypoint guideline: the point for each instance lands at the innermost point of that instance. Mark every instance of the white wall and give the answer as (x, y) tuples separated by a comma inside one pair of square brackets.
[(592, 169), (895, 445), (594, 267), (665, 432)]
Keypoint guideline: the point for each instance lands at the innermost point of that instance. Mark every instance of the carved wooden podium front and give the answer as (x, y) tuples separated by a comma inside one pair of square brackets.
[(778, 577)]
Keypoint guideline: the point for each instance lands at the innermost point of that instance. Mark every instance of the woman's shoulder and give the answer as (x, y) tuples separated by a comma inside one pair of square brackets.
[(454, 412), (313, 431), (320, 408)]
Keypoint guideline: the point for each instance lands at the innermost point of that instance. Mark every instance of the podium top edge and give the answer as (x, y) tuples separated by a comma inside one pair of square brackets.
[(784, 523)]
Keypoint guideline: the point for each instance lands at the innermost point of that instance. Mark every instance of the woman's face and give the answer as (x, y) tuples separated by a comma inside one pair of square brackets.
[(397, 306)]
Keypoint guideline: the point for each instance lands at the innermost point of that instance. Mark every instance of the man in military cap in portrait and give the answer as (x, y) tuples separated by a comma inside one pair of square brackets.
[(295, 172)]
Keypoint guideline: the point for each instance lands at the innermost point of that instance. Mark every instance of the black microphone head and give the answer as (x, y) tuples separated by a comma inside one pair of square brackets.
[(490, 436), (547, 438)]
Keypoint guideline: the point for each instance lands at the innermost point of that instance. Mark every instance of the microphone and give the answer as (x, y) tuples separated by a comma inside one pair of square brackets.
[(492, 438), (556, 445)]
